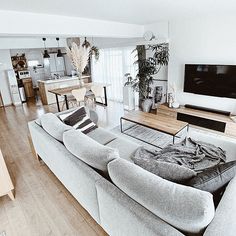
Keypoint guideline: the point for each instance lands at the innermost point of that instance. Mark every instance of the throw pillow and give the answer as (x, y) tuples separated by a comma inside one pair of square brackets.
[(88, 150), (168, 171), (214, 178), (79, 120), (54, 126)]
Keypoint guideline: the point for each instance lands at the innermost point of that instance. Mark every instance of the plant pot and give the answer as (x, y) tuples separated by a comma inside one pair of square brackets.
[(146, 105)]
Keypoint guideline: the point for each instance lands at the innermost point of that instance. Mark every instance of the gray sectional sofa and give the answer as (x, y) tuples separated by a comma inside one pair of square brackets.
[(133, 201)]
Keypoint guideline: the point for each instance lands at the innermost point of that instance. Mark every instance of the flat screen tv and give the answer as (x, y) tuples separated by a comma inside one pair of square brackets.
[(211, 80)]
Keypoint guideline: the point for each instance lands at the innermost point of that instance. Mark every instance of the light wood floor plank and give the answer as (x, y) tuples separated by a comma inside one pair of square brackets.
[(43, 206)]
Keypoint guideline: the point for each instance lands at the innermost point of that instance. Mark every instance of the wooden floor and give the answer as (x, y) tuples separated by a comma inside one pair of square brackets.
[(42, 206)]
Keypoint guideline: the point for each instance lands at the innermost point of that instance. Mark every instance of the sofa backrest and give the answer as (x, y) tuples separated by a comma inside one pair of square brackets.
[(186, 208), (75, 175), (224, 222), (88, 150), (121, 215)]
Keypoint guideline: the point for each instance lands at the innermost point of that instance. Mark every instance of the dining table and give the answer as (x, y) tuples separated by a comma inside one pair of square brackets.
[(66, 91)]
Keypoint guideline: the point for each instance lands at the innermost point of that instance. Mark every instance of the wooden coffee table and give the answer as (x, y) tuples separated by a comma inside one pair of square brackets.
[(159, 122)]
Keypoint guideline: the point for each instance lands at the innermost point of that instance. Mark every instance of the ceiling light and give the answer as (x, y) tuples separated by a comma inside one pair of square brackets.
[(45, 54), (59, 53), (86, 43)]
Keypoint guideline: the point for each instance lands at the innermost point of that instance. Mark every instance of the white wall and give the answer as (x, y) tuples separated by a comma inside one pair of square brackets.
[(159, 29), (206, 41), (5, 64), (29, 42), (22, 23), (161, 32), (115, 42)]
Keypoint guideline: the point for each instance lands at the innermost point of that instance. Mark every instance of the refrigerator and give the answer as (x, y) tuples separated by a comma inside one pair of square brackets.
[(13, 86), (54, 65)]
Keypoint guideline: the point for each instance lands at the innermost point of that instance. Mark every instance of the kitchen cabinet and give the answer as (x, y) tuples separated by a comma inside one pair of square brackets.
[(28, 86)]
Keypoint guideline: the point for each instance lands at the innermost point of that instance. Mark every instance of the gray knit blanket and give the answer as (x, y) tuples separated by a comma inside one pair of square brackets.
[(192, 154)]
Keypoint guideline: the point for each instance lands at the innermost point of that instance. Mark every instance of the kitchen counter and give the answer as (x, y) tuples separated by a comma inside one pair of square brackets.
[(62, 79), (65, 81)]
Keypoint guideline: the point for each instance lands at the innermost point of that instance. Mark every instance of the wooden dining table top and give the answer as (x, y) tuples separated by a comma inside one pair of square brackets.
[(67, 90)]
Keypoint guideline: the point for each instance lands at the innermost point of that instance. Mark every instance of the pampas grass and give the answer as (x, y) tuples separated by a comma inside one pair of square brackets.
[(79, 56)]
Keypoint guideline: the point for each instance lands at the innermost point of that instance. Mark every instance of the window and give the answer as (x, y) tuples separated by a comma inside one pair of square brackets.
[(113, 63)]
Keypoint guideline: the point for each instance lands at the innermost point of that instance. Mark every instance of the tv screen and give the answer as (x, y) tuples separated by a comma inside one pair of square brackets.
[(211, 80)]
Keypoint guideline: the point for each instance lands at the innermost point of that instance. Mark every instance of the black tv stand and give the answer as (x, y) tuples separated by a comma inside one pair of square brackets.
[(226, 113), (218, 121)]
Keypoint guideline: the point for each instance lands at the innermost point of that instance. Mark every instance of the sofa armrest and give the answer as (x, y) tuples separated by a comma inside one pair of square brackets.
[(224, 220)]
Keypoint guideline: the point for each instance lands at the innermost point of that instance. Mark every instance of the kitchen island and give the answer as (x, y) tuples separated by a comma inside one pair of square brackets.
[(66, 81)]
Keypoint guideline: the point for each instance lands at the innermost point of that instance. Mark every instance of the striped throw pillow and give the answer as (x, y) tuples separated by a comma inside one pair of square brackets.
[(79, 120)]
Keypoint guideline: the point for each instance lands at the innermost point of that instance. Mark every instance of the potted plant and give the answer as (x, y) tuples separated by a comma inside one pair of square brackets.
[(148, 67)]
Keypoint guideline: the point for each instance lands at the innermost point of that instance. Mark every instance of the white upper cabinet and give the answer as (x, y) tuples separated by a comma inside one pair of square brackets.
[(56, 64)]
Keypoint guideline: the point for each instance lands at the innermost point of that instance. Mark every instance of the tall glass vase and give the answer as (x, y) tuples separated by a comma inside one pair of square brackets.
[(81, 82)]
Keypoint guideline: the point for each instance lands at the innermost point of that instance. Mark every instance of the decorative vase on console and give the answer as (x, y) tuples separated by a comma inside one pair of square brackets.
[(175, 105), (172, 96), (170, 99)]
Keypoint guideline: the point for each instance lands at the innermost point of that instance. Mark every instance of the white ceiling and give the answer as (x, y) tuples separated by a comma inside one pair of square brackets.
[(127, 11)]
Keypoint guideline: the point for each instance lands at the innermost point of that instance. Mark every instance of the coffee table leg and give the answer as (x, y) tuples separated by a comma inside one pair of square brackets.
[(187, 131), (173, 139)]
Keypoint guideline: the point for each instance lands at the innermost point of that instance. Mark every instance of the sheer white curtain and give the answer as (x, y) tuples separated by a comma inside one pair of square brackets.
[(113, 63)]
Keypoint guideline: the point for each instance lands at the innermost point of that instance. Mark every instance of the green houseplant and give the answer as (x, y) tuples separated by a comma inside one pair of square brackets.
[(147, 68)]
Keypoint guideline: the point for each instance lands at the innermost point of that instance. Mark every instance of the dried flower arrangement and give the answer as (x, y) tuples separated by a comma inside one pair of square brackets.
[(79, 57)]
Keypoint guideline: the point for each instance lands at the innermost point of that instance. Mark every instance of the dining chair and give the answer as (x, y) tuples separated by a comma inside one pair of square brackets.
[(79, 95), (70, 98), (96, 94)]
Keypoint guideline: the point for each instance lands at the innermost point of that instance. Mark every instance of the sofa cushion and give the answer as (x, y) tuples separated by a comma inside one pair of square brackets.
[(185, 208), (126, 147), (88, 150), (214, 178), (54, 126), (102, 136), (170, 171)]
